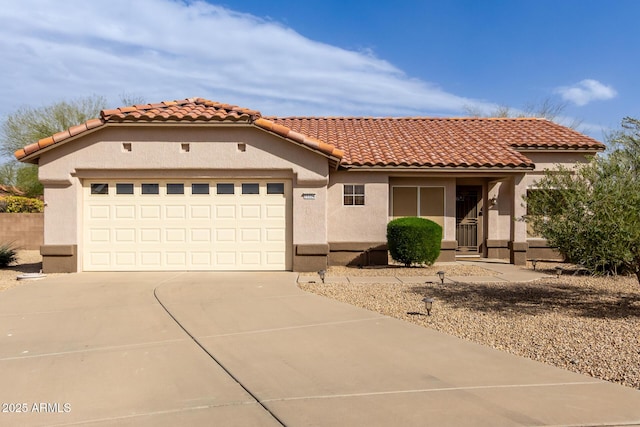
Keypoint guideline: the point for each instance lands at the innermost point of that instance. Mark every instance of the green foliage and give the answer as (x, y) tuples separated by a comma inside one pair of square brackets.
[(18, 204), (27, 125), (27, 181), (8, 254), (8, 173), (413, 240), (592, 214)]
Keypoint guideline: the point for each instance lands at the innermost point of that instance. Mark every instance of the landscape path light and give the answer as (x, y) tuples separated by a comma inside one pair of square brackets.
[(441, 276), (322, 273), (558, 271), (534, 262), (428, 304)]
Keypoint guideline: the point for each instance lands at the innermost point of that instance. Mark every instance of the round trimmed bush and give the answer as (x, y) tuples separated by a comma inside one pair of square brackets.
[(413, 240)]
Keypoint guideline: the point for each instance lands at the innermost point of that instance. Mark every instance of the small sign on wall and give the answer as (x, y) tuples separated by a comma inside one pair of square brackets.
[(309, 196)]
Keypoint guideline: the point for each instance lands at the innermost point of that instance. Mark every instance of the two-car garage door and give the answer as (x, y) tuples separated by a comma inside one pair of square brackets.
[(135, 225)]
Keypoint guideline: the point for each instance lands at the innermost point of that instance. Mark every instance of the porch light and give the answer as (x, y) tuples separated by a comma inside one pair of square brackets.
[(558, 271), (441, 276), (322, 273), (534, 262), (428, 304), (493, 201)]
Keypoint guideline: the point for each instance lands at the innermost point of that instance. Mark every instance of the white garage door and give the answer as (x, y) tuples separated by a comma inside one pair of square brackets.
[(187, 225)]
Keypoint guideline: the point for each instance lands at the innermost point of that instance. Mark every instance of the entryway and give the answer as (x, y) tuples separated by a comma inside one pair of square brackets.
[(468, 214)]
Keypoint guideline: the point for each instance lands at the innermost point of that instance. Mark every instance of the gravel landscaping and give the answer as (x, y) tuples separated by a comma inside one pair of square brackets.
[(28, 262), (585, 324)]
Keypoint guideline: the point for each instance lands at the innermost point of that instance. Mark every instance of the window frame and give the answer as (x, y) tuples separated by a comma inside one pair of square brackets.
[(228, 184), (276, 193), (195, 185), (174, 185), (104, 190), (142, 189), (120, 184), (354, 195), (242, 187)]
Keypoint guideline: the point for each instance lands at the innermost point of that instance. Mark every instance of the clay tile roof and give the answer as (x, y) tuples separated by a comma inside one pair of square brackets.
[(464, 142), (191, 110), (361, 141)]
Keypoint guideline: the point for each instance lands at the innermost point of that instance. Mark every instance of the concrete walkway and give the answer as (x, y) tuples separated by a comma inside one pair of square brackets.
[(165, 349), (506, 273)]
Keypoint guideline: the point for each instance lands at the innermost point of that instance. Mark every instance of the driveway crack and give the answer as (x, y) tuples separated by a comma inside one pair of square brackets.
[(220, 364)]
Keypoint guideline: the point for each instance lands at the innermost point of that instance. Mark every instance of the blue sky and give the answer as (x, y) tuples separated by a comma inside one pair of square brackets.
[(356, 58)]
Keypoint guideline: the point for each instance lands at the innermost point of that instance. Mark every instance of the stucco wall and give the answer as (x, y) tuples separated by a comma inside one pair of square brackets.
[(366, 223)]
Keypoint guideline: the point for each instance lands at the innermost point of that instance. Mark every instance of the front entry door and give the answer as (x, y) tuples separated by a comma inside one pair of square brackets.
[(467, 199)]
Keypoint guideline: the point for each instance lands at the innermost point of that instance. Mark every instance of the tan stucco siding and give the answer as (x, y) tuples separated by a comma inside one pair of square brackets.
[(161, 148), (367, 223)]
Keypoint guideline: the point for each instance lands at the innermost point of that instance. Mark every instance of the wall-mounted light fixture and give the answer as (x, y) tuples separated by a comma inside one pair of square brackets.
[(493, 201)]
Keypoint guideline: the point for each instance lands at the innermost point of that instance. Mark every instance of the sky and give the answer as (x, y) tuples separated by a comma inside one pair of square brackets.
[(329, 57)]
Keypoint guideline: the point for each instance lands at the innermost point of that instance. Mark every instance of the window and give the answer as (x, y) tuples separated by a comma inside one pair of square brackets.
[(150, 189), (224, 189), (250, 189), (425, 202), (99, 188), (353, 194), (199, 188), (275, 188), (175, 188), (124, 188)]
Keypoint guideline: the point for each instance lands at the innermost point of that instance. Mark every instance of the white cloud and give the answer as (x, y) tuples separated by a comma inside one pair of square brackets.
[(586, 91), (166, 49)]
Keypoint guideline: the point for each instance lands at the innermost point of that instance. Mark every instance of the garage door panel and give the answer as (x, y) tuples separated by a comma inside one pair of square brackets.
[(201, 258), (100, 258), (100, 235), (150, 212), (99, 212), (150, 235), (125, 235), (176, 258), (201, 212), (127, 259), (225, 234), (186, 232), (251, 258), (275, 258), (250, 234), (200, 234), (275, 211), (226, 211), (176, 212), (250, 211), (176, 235), (275, 234), (150, 258), (125, 212)]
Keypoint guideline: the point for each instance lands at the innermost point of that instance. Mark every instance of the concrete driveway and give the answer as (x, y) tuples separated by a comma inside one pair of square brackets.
[(168, 349)]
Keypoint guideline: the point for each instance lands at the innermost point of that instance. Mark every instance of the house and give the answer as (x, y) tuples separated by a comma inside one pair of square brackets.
[(200, 185)]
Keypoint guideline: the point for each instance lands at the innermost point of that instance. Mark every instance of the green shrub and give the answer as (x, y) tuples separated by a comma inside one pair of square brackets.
[(7, 254), (19, 204), (413, 240)]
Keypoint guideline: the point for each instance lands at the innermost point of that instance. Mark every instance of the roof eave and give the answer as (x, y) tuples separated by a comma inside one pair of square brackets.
[(441, 168)]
